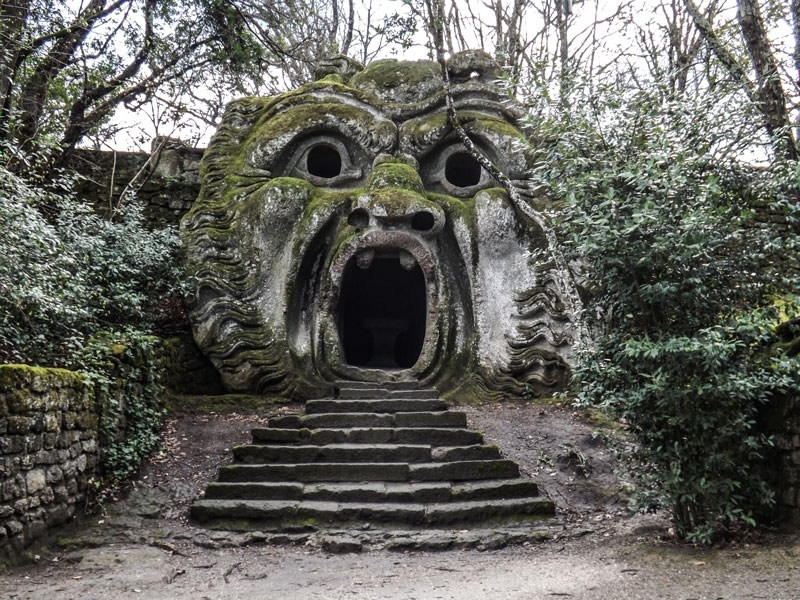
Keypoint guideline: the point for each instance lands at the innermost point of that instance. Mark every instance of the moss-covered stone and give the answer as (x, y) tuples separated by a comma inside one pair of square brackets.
[(364, 166)]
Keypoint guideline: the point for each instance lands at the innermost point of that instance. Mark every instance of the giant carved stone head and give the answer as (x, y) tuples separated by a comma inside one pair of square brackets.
[(343, 231)]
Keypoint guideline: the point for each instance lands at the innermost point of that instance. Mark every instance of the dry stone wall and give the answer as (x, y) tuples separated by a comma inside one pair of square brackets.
[(167, 180), (783, 423), (48, 452)]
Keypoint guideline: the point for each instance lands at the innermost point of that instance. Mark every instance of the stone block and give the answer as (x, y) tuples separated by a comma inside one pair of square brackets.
[(69, 469), (789, 496), (54, 475), (52, 421), (36, 529), (49, 440), (81, 463), (20, 425), (33, 443), (38, 423), (21, 506), (5, 511), (15, 444), (35, 480), (60, 494), (56, 515), (10, 490), (69, 437), (22, 402), (14, 527), (45, 457)]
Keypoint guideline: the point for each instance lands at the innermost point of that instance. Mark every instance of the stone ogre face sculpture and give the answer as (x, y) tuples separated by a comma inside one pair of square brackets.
[(344, 232)]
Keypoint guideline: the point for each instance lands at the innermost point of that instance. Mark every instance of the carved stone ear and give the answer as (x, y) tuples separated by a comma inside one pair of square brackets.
[(472, 64), (338, 64)]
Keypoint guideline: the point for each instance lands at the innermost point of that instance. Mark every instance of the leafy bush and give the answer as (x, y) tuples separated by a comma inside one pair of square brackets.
[(66, 278), (84, 292), (677, 267)]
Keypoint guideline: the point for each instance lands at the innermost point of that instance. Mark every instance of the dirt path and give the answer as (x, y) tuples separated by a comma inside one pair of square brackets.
[(144, 546)]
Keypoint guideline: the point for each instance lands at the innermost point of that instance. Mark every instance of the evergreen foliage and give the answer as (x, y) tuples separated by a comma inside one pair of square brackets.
[(677, 259), (83, 292)]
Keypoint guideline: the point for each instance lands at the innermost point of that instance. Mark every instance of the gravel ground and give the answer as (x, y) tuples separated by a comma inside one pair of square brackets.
[(144, 546)]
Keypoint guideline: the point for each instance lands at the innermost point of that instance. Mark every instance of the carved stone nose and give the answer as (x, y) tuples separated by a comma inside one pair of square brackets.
[(395, 199)]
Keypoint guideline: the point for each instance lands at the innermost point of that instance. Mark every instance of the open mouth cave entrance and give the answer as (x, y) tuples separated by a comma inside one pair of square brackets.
[(382, 312)]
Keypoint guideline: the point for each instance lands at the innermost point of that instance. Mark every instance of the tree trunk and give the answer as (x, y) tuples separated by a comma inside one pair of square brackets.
[(13, 16), (34, 94), (771, 97)]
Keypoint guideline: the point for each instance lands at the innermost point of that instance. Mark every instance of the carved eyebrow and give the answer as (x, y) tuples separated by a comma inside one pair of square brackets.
[(422, 134), (281, 130)]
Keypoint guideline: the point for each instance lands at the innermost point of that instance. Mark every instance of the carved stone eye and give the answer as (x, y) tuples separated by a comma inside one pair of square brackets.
[(324, 161), (454, 171), (462, 170)]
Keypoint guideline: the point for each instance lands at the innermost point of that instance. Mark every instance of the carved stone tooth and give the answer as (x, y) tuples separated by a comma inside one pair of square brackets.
[(407, 260), (364, 258)]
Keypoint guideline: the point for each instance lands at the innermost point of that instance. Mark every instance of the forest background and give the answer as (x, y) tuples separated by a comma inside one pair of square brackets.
[(665, 132)]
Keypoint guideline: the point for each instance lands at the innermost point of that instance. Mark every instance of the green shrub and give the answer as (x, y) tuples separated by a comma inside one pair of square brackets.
[(84, 292), (679, 268), (67, 277)]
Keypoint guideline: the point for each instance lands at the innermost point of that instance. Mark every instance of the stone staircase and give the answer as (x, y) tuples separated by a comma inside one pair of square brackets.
[(377, 456)]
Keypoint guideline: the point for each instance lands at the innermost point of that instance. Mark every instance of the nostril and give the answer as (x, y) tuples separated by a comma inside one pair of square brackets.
[(422, 221), (359, 218)]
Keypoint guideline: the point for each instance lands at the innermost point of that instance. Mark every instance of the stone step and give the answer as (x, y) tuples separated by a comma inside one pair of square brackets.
[(378, 393), (463, 470), (456, 419), (265, 514), (328, 453), (372, 405), (332, 453), (371, 385), (390, 492), (315, 472), (388, 454), (371, 471), (432, 436)]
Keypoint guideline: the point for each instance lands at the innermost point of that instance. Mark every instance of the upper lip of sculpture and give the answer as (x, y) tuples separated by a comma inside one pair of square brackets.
[(389, 241)]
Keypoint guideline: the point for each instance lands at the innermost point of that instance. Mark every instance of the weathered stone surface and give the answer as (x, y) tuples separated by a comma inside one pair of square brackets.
[(316, 472), (332, 453), (341, 544), (289, 485), (464, 470), (374, 406), (343, 231), (40, 485)]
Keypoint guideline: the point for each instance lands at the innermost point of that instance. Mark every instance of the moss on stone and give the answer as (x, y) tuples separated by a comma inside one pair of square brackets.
[(399, 175), (15, 376), (382, 74)]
